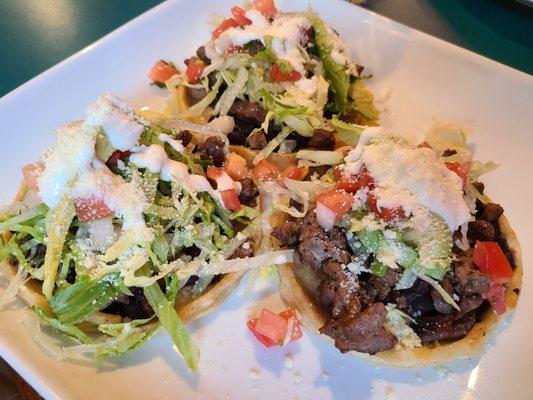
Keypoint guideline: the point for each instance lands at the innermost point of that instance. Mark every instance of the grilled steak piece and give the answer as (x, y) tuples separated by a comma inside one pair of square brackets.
[(438, 302), (439, 328), (213, 148), (382, 286), (491, 212), (316, 245), (287, 233), (480, 230), (249, 192), (245, 250), (257, 140), (469, 279), (415, 301), (363, 332), (322, 139), (245, 111)]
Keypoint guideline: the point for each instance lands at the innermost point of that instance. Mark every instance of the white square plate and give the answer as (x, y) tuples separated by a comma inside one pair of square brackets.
[(421, 77)]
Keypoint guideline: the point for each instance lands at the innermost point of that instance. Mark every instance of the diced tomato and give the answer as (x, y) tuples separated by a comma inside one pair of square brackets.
[(277, 75), (496, 298), (195, 69), (230, 199), (162, 71), (214, 173), (91, 208), (239, 16), (223, 27), (297, 329), (263, 339), (338, 201), (489, 258), (461, 169), (386, 214), (294, 172), (234, 49), (271, 329), (425, 145), (31, 173), (265, 7), (235, 166), (265, 171), (352, 183), (117, 155)]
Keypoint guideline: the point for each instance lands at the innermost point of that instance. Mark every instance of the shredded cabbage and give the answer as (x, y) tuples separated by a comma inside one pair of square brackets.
[(319, 157), (10, 292), (396, 323), (60, 220)]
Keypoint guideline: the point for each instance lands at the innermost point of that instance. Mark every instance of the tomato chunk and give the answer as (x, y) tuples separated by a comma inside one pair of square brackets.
[(224, 26), (353, 182), (294, 172), (461, 169), (230, 199), (91, 208), (235, 166), (277, 75), (489, 258), (265, 7), (272, 329), (162, 71), (195, 69), (239, 16), (424, 145), (386, 214), (265, 171), (31, 173), (117, 155), (496, 298), (338, 201)]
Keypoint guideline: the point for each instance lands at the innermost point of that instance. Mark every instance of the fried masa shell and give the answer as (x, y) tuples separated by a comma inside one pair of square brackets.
[(298, 289), (195, 307)]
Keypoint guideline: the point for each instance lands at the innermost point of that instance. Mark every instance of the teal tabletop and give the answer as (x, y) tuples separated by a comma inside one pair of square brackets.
[(36, 34)]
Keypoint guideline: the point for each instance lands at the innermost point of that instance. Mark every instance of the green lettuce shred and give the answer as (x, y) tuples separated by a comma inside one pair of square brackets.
[(336, 74), (164, 309)]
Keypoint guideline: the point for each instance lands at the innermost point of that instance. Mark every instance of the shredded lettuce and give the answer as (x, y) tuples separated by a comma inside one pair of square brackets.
[(83, 298), (363, 100), (67, 329), (336, 74), (164, 309), (60, 220), (319, 157), (348, 133)]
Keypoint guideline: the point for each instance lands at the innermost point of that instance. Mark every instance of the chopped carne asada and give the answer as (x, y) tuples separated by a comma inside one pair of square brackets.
[(395, 240)]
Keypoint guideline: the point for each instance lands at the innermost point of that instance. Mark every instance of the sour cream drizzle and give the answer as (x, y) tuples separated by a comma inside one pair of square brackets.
[(407, 175)]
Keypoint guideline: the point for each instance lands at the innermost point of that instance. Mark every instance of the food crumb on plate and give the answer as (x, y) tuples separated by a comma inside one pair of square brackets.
[(325, 375), (289, 361), (254, 374), (418, 377), (389, 393), (297, 378)]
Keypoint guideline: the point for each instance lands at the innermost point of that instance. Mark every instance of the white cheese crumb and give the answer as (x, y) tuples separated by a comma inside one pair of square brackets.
[(297, 378), (289, 361), (408, 176), (70, 155), (254, 374), (118, 120)]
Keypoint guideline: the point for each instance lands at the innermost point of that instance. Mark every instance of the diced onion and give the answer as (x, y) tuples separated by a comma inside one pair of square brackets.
[(102, 233), (324, 216)]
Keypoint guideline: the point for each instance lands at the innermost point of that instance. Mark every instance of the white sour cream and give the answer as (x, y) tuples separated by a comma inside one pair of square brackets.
[(118, 120)]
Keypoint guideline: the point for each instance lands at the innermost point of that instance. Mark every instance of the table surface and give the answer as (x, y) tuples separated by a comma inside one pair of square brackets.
[(36, 34)]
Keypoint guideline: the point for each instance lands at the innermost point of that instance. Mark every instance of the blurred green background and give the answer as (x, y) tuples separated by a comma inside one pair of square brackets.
[(36, 34)]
